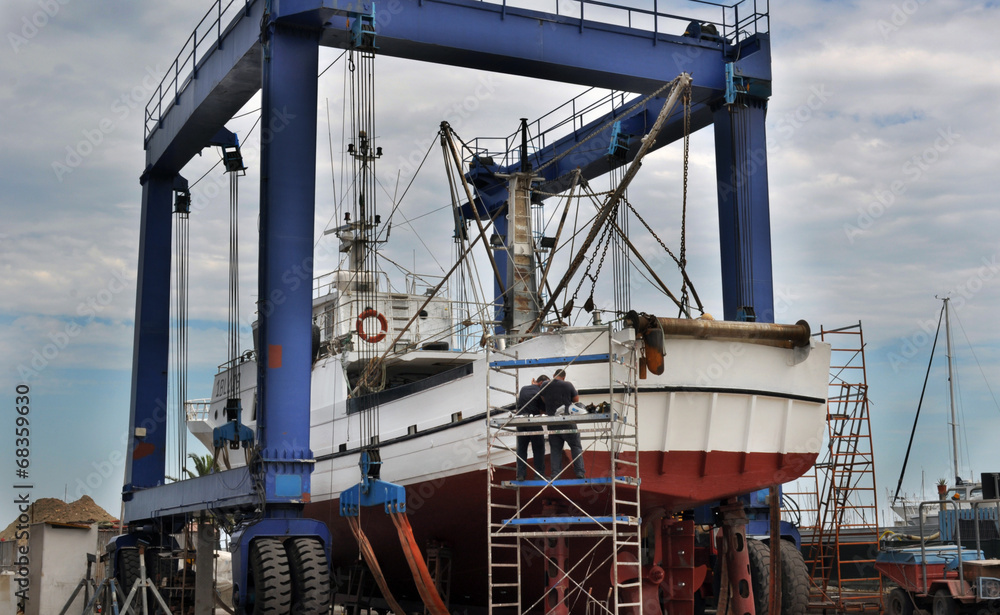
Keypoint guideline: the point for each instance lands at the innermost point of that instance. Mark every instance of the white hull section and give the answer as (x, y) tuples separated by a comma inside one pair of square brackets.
[(737, 398)]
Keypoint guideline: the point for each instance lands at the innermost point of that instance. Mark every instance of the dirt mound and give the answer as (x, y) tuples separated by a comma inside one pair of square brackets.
[(54, 510)]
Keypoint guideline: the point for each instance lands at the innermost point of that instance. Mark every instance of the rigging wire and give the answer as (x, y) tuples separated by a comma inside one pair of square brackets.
[(233, 324), (686, 102), (181, 303), (920, 403), (978, 364)]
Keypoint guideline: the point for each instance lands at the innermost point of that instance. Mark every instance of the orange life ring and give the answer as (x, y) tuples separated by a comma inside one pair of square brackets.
[(360, 326)]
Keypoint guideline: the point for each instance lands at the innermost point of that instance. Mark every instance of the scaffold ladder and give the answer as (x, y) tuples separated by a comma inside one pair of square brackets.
[(838, 501), (581, 531)]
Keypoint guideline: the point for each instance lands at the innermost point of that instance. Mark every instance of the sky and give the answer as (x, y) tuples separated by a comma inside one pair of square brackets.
[(881, 155)]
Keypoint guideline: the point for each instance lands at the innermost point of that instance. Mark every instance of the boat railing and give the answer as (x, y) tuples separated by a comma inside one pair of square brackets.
[(248, 355), (197, 409), (420, 284), (342, 280)]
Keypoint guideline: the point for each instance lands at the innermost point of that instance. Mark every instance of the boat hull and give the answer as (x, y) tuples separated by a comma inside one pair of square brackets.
[(724, 418), (452, 511)]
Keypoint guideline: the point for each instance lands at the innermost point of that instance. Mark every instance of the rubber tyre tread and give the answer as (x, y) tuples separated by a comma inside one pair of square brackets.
[(760, 575), (271, 577), (944, 604), (898, 602), (794, 580), (129, 572), (310, 573)]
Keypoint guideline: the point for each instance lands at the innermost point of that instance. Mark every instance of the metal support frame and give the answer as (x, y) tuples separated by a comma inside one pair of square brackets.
[(837, 499), (733, 548), (208, 85), (569, 518), (287, 205), (147, 430), (744, 214)]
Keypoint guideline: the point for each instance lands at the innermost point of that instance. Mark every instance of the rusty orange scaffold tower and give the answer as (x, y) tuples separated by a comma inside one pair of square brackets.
[(837, 500)]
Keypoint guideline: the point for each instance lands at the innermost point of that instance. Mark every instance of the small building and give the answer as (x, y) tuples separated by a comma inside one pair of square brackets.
[(58, 555)]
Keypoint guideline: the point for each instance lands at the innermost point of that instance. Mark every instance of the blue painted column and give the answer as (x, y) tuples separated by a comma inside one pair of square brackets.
[(287, 204), (744, 215), (144, 465)]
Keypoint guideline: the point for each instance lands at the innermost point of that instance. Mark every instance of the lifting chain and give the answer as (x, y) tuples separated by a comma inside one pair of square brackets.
[(606, 240), (653, 233)]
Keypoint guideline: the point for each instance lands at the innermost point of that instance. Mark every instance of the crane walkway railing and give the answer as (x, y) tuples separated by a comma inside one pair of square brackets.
[(734, 21), (206, 37)]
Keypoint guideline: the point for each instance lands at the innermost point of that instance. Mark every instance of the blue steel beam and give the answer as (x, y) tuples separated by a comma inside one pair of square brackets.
[(229, 489), (462, 33), (457, 32), (744, 213), (503, 39), (227, 76), (287, 205), (147, 430)]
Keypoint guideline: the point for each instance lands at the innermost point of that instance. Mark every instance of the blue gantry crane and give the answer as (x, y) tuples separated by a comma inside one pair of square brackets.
[(245, 46)]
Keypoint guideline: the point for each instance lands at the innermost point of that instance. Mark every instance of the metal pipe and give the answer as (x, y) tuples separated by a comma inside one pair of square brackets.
[(786, 336)]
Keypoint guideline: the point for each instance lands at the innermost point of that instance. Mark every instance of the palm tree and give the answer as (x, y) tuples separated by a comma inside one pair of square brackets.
[(203, 465)]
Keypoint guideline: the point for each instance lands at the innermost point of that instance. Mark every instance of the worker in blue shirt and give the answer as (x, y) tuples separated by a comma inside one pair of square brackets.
[(529, 403), (561, 393)]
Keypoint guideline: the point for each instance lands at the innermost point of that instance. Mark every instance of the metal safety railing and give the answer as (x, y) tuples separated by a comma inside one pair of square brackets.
[(734, 21), (568, 118), (205, 37), (197, 409)]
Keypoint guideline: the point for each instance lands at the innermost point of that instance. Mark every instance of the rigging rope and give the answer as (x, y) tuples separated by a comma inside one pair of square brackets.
[(920, 403), (369, 556), (233, 324), (682, 262), (182, 235), (365, 214)]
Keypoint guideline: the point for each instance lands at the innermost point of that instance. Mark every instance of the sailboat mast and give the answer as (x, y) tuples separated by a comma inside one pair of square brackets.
[(951, 390)]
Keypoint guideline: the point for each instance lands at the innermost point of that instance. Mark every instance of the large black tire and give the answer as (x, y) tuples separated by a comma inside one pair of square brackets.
[(794, 578), (270, 591), (898, 602), (129, 571), (944, 604), (760, 575), (310, 576)]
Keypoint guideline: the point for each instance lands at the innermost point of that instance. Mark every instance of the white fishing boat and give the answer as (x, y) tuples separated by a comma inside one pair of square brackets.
[(722, 408)]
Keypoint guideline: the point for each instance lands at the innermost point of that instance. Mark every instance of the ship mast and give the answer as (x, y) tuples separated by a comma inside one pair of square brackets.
[(522, 304), (951, 391)]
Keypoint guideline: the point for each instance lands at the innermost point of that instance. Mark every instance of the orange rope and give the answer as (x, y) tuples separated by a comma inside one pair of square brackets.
[(421, 576), (369, 554)]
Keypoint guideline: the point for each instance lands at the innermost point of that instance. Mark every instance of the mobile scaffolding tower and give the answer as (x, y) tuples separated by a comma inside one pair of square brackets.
[(584, 533)]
